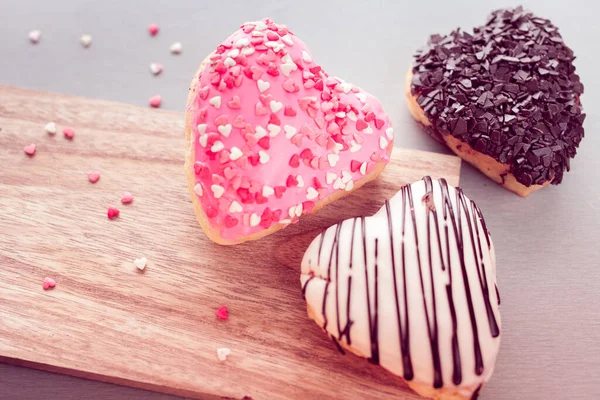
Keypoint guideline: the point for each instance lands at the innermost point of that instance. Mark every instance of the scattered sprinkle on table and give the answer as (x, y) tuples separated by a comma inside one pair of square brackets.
[(153, 29), (69, 133), (127, 198), (35, 36), (113, 213), (94, 176), (155, 101), (30, 150), (222, 353), (86, 40), (49, 283), (222, 313), (156, 68), (140, 263), (176, 48), (50, 128)]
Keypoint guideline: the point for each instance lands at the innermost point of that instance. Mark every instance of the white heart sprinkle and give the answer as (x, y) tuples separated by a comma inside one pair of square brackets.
[(337, 147), (243, 42), (349, 186), (86, 40), (286, 59), (267, 191), (273, 130), (176, 48), (389, 132), (234, 53), (256, 33), (299, 210), (156, 68), (198, 190), (363, 168), (263, 157), (307, 74), (235, 207), (260, 132), (254, 219), (203, 140), (235, 154), (333, 159), (50, 128), (383, 143), (292, 211), (275, 106), (368, 130), (260, 25), (362, 96), (287, 68), (345, 87), (229, 62), (140, 263), (311, 193), (217, 146), (201, 129), (346, 176), (224, 130), (300, 181), (222, 353), (330, 177), (340, 114), (354, 147), (286, 221), (290, 131), (287, 39), (215, 102), (306, 56), (217, 190), (247, 51), (262, 85), (352, 116), (338, 184), (35, 36)]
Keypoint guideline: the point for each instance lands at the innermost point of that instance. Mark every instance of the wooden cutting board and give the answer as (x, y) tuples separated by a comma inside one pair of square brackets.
[(157, 329)]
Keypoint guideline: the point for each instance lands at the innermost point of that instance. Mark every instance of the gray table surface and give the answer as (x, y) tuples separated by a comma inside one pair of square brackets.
[(548, 267)]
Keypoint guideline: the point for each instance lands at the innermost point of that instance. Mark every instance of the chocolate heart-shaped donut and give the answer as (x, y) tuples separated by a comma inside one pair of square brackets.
[(272, 136), (505, 98), (412, 288)]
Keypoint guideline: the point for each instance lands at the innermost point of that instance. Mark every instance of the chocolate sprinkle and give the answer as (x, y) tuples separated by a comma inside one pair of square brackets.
[(509, 90)]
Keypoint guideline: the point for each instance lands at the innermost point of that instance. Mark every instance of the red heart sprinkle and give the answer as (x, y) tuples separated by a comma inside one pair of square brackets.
[(48, 283), (93, 177), (265, 142), (295, 161), (230, 221), (30, 150), (354, 165), (69, 132), (112, 213), (260, 199), (211, 212), (274, 119), (155, 101), (127, 198), (153, 29), (370, 116), (279, 190), (291, 181), (379, 123), (288, 111), (361, 124), (222, 313)]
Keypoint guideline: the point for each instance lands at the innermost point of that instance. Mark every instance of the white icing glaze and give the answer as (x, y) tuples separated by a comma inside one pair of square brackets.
[(334, 276)]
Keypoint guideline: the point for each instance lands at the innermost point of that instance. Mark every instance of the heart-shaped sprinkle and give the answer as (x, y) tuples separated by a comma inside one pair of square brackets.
[(127, 198), (112, 213), (155, 101), (140, 263), (30, 149), (69, 133), (93, 177), (222, 313), (153, 29), (34, 36), (50, 128), (156, 68), (85, 40), (222, 353), (48, 283), (176, 48), (292, 124)]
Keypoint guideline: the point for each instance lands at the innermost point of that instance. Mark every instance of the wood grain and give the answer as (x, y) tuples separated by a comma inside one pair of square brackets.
[(157, 330)]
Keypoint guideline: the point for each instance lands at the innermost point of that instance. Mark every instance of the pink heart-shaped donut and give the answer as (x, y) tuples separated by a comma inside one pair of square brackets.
[(259, 140)]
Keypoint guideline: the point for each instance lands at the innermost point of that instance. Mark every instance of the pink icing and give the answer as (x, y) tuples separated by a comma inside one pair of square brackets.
[(305, 136)]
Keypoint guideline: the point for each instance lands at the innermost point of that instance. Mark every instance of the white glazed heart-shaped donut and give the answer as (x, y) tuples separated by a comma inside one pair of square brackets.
[(412, 288)]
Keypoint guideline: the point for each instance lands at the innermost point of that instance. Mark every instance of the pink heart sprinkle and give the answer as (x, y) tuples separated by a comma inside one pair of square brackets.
[(49, 283), (69, 133), (127, 198), (93, 177), (155, 101), (153, 29), (30, 150), (222, 313)]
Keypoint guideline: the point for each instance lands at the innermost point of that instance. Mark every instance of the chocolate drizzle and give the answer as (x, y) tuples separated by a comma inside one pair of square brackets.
[(509, 90), (465, 221)]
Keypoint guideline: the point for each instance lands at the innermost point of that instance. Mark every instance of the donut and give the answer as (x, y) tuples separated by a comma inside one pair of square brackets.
[(504, 98), (412, 288), (271, 136)]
